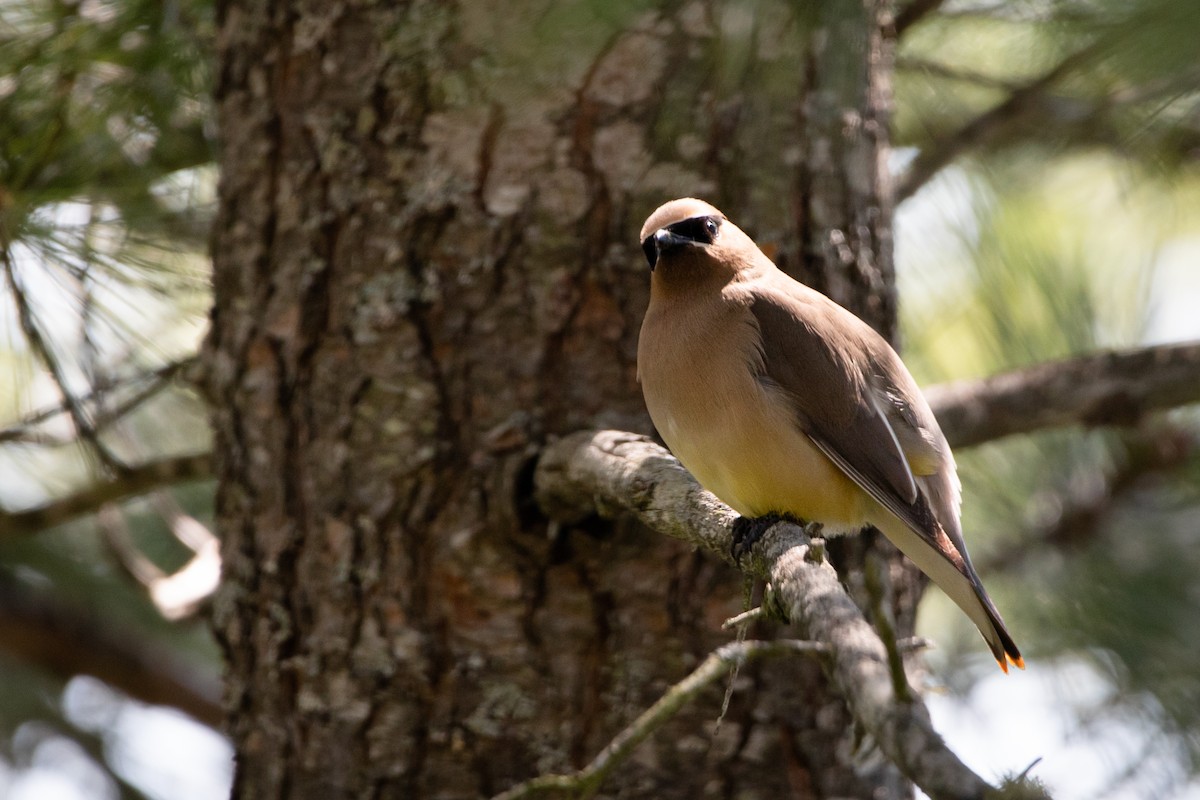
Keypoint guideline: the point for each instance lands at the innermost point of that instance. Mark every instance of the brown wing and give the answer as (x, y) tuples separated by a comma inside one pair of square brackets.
[(854, 399), (834, 401)]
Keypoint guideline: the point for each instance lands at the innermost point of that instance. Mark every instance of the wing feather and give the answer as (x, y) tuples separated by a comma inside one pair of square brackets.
[(857, 403), (836, 405)]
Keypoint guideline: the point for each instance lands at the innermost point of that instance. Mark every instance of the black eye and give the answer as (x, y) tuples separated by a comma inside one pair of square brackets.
[(701, 230)]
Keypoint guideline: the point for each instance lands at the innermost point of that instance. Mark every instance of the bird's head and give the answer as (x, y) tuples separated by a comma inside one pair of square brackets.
[(690, 240)]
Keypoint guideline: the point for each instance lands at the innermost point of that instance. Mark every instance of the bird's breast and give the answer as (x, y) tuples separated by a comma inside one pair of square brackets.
[(736, 434)]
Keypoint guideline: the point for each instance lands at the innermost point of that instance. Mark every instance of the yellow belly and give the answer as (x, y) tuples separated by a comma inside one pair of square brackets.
[(755, 458)]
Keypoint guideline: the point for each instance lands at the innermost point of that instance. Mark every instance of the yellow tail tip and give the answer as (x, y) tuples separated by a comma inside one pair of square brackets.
[(1017, 662)]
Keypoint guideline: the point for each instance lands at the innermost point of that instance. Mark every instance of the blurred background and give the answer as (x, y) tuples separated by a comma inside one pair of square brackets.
[(1047, 163)]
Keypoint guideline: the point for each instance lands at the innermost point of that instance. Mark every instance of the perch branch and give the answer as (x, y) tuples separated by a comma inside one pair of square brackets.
[(618, 750), (613, 473), (616, 473), (1107, 388)]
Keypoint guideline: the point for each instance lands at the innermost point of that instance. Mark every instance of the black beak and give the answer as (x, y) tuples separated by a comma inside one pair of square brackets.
[(661, 242), (651, 252)]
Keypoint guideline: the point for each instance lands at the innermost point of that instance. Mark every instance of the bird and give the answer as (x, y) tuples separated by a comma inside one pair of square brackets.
[(781, 402)]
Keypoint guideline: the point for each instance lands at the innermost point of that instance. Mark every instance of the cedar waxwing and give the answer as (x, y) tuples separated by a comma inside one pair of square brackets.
[(780, 401)]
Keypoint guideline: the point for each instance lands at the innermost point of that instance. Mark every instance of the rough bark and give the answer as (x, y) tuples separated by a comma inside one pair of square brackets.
[(844, 222), (845, 217), (424, 268)]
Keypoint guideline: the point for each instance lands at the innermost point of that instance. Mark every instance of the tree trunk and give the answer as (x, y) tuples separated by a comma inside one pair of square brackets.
[(425, 268), (845, 222)]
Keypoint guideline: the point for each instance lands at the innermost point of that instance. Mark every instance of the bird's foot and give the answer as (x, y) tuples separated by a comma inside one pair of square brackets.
[(747, 531), (816, 546)]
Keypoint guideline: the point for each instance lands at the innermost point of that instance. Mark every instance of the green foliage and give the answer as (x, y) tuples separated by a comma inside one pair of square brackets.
[(1048, 243), (1121, 76), (106, 190), (103, 152), (100, 100)]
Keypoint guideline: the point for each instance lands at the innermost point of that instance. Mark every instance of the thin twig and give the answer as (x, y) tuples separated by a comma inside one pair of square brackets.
[(619, 749), (115, 531), (912, 643), (158, 378), (877, 586), (758, 612), (178, 594), (27, 320), (189, 531), (986, 126), (133, 481)]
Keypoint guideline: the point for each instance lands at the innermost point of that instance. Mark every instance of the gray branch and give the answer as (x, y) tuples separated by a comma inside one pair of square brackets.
[(1107, 388), (616, 473)]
